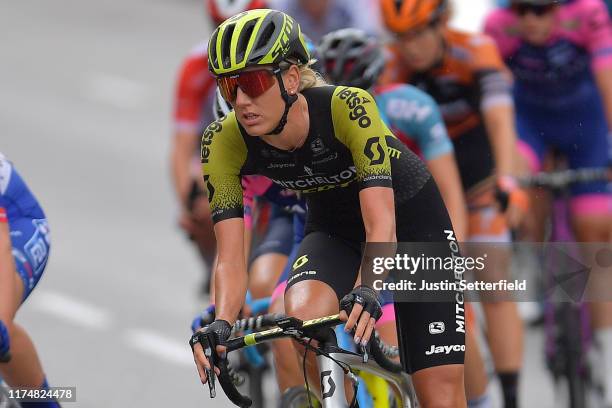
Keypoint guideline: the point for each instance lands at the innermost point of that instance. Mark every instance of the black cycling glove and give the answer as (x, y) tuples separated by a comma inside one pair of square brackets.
[(213, 335), (365, 296)]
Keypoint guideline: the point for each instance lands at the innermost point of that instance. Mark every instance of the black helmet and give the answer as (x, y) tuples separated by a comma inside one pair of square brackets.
[(351, 57)]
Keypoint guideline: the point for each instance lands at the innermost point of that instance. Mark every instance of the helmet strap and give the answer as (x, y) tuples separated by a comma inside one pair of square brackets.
[(289, 100)]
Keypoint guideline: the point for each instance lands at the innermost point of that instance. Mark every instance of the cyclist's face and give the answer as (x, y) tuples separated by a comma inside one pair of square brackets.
[(259, 115), (422, 48), (536, 28)]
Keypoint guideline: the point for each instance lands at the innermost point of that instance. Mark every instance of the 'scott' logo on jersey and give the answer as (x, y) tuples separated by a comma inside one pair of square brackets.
[(374, 151)]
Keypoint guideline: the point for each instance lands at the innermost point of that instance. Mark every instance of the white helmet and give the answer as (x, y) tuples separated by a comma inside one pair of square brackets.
[(221, 10)]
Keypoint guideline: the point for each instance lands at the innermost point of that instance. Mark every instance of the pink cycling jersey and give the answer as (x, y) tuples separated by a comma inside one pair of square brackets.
[(584, 23), (252, 186)]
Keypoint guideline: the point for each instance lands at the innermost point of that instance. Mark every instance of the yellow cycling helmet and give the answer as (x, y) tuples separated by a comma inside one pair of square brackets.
[(401, 16), (256, 37)]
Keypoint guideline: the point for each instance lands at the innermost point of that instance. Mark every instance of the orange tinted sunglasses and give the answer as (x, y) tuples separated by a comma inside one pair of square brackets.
[(252, 83)]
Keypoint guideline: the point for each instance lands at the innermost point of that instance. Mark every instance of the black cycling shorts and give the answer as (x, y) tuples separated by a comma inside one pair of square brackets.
[(430, 334), (474, 156)]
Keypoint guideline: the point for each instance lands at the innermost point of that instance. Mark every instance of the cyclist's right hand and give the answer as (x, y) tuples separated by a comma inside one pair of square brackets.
[(212, 337), (360, 309)]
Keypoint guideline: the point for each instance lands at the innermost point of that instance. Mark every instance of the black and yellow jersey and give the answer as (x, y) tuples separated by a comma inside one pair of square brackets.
[(348, 145)]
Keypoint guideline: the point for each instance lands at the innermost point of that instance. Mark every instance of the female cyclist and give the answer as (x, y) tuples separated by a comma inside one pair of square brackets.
[(351, 57), (24, 249), (361, 185), (561, 58)]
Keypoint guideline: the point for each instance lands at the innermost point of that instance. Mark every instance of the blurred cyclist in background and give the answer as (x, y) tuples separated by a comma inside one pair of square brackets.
[(24, 250), (466, 76), (350, 57), (561, 58), (193, 107), (319, 17)]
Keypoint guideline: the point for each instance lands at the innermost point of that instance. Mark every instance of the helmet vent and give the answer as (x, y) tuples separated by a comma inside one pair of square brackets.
[(266, 35), (335, 44), (398, 5), (225, 44), (213, 50), (243, 40)]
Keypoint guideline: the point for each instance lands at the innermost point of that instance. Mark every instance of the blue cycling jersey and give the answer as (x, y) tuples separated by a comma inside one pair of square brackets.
[(15, 197), (28, 226), (414, 118)]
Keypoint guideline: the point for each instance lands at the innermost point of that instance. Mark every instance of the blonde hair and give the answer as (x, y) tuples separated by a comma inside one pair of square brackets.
[(309, 78)]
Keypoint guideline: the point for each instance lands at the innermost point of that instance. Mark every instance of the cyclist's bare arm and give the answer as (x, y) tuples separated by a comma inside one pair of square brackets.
[(499, 121), (230, 272), (184, 146), (378, 212), (248, 238), (230, 281), (6, 258), (443, 168), (7, 269)]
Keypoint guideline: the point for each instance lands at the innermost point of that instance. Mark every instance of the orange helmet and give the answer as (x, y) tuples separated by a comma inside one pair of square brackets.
[(404, 15)]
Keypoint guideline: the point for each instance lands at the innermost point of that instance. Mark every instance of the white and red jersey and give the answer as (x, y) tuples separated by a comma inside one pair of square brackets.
[(195, 92)]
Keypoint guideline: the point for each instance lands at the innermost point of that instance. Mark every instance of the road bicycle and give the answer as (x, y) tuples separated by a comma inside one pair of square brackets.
[(334, 363), (566, 323)]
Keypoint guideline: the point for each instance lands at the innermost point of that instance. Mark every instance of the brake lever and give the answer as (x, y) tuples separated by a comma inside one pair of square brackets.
[(202, 338), (364, 352), (210, 372)]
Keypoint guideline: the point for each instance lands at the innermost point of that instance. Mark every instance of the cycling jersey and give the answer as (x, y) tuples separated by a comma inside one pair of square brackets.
[(470, 78), (414, 118), (195, 91), (559, 73), (557, 100), (28, 226), (348, 148)]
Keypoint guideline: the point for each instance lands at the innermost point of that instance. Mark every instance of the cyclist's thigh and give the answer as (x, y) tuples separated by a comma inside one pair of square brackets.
[(430, 333), (590, 147), (530, 144), (474, 156), (329, 259), (31, 243)]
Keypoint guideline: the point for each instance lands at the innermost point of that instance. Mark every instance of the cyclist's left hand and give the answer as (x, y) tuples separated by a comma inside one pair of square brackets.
[(361, 309), (516, 200), (216, 335)]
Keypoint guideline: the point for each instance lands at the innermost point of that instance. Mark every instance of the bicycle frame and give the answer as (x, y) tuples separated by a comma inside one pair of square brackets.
[(332, 378)]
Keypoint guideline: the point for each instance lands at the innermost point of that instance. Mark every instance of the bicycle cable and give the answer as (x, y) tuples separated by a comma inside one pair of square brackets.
[(346, 369), (305, 376)]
